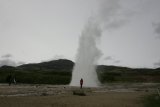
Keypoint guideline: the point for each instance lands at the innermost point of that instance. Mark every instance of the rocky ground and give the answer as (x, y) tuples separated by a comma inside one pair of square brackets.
[(109, 95)]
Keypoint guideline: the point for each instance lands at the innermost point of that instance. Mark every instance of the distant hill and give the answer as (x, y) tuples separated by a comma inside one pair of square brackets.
[(51, 72), (60, 72), (124, 74), (55, 65)]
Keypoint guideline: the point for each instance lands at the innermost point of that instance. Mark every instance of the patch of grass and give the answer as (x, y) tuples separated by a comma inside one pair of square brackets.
[(152, 101)]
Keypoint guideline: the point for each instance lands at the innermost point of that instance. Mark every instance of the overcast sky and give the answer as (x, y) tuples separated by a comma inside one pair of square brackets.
[(39, 30)]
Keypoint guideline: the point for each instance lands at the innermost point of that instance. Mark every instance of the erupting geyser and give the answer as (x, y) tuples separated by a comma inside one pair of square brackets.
[(87, 56), (110, 16)]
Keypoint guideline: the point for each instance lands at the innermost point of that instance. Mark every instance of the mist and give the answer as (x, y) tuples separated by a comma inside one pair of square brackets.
[(87, 56), (7, 62), (88, 52)]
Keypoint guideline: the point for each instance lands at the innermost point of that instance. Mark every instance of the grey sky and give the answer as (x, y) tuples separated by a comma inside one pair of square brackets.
[(110, 59), (39, 30), (6, 56), (157, 28), (157, 64)]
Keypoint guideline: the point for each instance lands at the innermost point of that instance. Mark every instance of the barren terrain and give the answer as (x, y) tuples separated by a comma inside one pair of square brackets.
[(111, 95)]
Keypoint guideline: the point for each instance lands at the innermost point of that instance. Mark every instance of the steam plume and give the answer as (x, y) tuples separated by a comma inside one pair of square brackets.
[(108, 16), (87, 56)]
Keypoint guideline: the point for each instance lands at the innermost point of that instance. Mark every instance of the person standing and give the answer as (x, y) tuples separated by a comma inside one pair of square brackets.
[(14, 80), (81, 83), (9, 79)]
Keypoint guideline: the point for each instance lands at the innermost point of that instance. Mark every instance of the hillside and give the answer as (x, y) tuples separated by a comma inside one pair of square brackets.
[(51, 72), (124, 74), (60, 71), (55, 65)]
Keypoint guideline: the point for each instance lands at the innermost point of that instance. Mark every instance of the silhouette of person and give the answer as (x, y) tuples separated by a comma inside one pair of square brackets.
[(14, 80), (9, 79), (81, 83)]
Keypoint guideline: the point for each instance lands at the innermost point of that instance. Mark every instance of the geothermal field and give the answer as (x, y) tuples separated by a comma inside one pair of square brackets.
[(111, 95), (79, 53)]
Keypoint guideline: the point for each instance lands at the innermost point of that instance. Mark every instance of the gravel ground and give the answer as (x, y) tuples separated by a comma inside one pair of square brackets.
[(110, 95)]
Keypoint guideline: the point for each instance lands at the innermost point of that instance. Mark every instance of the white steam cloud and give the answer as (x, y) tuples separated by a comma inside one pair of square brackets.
[(109, 16), (112, 15), (87, 56)]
